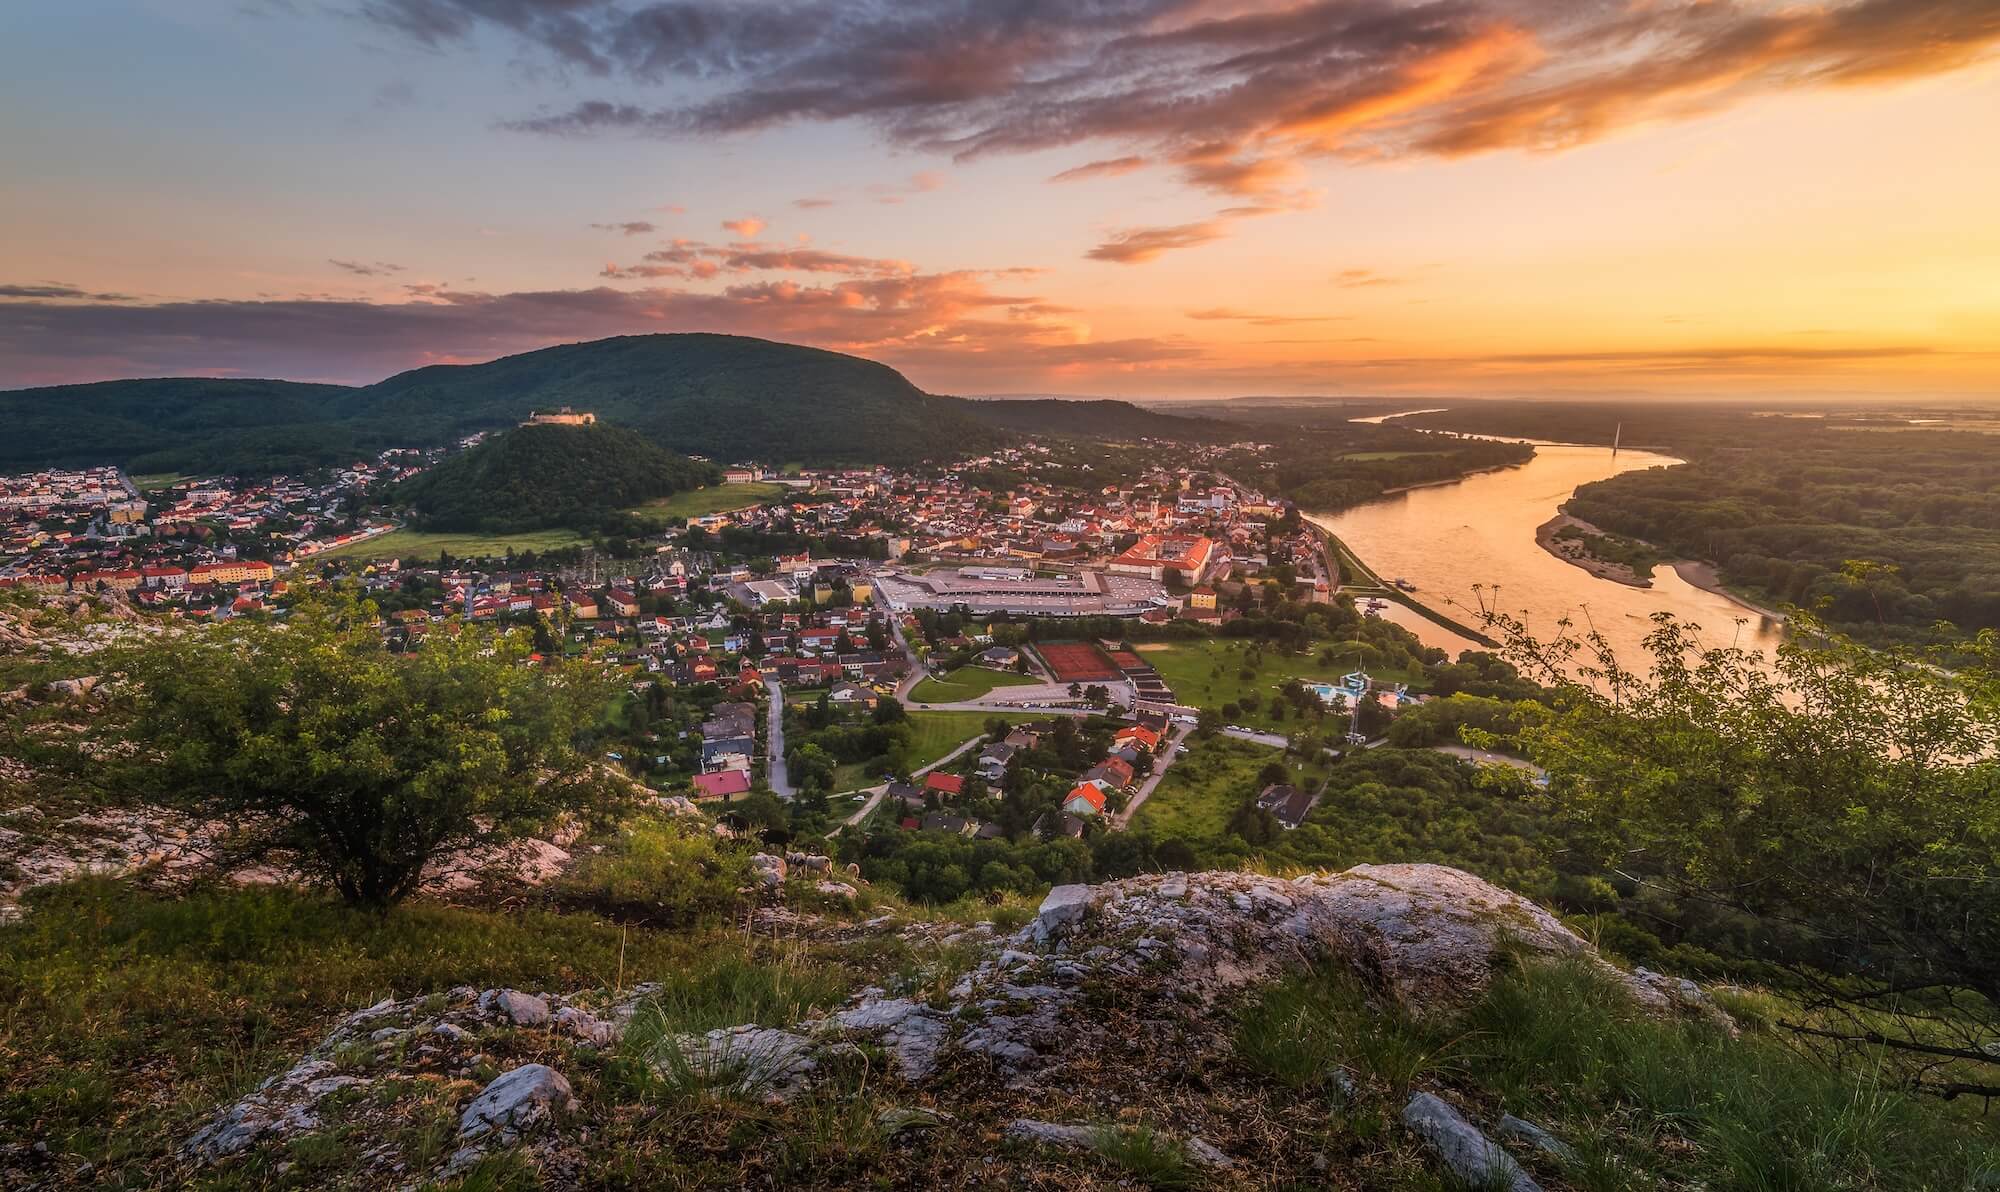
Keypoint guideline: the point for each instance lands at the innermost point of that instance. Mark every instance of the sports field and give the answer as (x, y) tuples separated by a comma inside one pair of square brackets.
[(1076, 662)]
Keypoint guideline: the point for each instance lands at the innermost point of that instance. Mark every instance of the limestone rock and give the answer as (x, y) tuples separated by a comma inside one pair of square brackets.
[(516, 1102), (1682, 994), (1470, 1156), (1432, 933), (768, 870), (1064, 908), (521, 1009), (1513, 1129), (282, 1107), (676, 805), (1053, 1133), (586, 1026), (1208, 1154), (912, 1034)]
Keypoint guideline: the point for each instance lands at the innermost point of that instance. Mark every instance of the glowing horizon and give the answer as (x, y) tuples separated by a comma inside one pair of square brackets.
[(1153, 198)]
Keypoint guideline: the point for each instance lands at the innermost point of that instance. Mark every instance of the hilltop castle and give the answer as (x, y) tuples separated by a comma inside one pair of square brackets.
[(562, 417)]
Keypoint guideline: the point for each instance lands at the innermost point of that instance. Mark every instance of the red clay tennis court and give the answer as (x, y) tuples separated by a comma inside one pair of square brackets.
[(1076, 662)]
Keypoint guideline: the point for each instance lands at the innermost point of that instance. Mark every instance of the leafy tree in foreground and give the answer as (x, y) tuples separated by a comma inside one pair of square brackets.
[(1848, 798), (355, 765)]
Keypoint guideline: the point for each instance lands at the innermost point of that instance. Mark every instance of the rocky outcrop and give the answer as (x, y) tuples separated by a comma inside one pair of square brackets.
[(517, 1101), (115, 841), (1471, 1157), (284, 1106), (397, 1042), (1028, 1014), (1428, 936), (767, 870)]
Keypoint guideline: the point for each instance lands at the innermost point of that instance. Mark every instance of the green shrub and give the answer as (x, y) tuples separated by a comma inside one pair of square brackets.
[(658, 872)]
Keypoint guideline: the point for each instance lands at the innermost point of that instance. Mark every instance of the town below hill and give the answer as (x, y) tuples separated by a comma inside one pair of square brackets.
[(541, 806)]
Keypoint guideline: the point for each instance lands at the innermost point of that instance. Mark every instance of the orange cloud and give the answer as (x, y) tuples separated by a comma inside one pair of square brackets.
[(1133, 246), (747, 227), (1109, 168)]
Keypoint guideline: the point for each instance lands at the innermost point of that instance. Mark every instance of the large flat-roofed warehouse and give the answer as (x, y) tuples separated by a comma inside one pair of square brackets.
[(985, 590)]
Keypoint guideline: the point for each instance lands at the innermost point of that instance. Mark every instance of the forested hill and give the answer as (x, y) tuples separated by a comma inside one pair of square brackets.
[(175, 424), (1101, 419), (730, 397), (539, 477), (725, 396)]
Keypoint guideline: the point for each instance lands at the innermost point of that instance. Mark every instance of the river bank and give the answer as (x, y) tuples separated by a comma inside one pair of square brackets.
[(1694, 572), (1576, 552), (1342, 562), (1461, 478), (1704, 576)]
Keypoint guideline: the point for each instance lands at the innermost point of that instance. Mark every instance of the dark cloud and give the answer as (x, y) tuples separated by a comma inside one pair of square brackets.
[(1259, 82), (57, 289), (809, 204), (634, 227), (954, 323), (365, 269)]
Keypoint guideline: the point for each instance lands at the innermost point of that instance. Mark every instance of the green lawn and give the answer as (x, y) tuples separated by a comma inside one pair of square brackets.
[(417, 544), (938, 733), (932, 735), (1190, 669), (716, 498), (967, 683), (1206, 785)]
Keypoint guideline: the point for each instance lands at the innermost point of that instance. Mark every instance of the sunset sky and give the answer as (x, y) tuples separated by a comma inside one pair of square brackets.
[(1149, 198)]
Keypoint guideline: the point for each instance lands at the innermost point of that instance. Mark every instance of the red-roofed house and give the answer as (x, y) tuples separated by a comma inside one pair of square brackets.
[(722, 784), (1139, 735), (944, 784), (1084, 799)]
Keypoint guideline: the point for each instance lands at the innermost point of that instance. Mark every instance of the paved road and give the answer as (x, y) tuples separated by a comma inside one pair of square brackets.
[(1274, 740), (875, 793), (918, 672), (1146, 788), (774, 740), (1489, 758)]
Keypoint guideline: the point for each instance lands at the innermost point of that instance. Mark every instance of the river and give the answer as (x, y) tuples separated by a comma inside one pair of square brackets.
[(1481, 530)]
